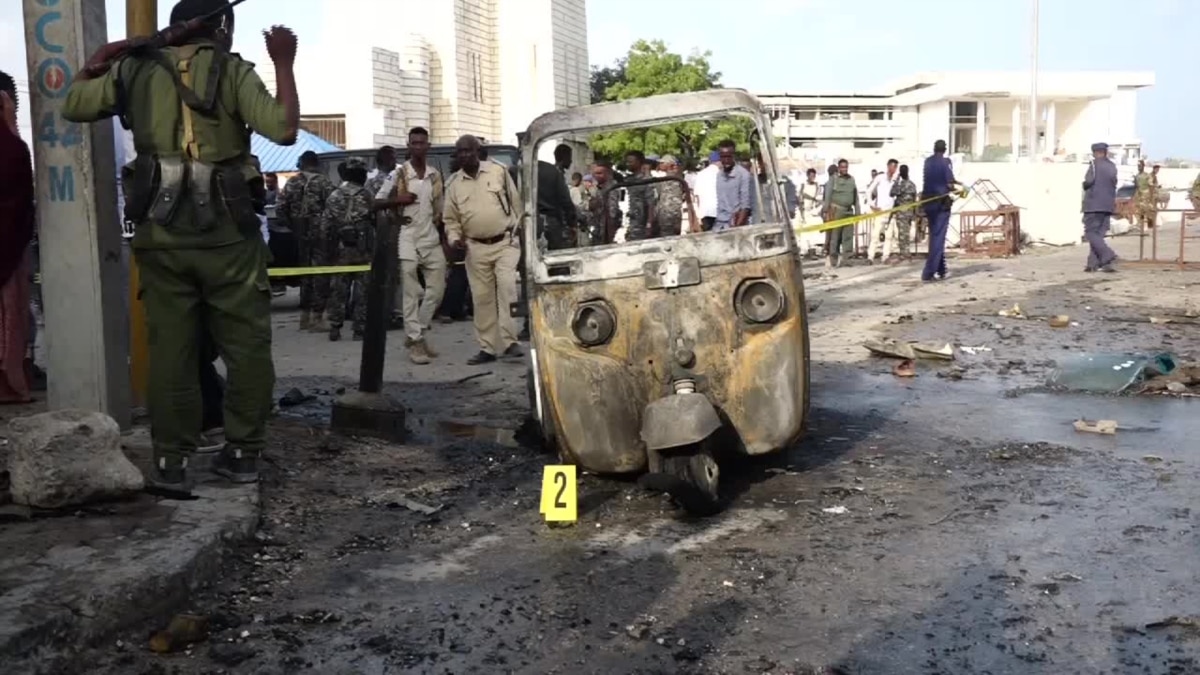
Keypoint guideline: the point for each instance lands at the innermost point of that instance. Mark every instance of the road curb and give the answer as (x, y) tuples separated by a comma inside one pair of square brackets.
[(69, 588)]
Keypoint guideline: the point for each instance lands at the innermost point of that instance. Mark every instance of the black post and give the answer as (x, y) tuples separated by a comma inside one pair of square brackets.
[(374, 346), (369, 411)]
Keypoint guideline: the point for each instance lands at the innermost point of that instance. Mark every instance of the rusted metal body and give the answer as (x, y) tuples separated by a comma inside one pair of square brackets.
[(681, 362), (1167, 244)]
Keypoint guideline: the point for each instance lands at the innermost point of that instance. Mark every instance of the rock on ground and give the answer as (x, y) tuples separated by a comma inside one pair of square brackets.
[(66, 458)]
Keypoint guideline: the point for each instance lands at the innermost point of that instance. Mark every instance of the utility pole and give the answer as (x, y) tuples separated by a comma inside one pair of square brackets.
[(86, 330), (1034, 116), (141, 20)]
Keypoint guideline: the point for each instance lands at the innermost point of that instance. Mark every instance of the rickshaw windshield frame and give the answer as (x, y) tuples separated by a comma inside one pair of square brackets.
[(610, 261)]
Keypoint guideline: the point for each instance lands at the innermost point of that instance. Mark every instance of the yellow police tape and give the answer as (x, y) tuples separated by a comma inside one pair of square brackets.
[(850, 220), (820, 227), (307, 271)]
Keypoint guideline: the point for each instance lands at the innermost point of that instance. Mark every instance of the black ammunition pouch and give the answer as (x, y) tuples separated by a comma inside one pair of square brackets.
[(140, 181), (168, 178), (239, 201), (350, 236)]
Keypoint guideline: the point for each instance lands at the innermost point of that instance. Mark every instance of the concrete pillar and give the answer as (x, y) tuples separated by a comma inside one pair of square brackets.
[(1051, 131), (86, 328), (980, 128), (1016, 131)]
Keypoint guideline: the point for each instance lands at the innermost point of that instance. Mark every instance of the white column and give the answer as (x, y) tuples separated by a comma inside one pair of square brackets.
[(1051, 131), (87, 331), (1016, 130), (980, 129)]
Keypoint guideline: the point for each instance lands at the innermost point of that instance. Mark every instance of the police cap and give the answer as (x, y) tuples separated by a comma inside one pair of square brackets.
[(1099, 147)]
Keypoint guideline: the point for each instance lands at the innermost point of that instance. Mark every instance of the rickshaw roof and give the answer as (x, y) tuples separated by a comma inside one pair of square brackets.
[(649, 111)]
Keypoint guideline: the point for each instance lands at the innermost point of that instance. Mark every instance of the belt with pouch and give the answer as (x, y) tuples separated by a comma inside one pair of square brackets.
[(492, 240)]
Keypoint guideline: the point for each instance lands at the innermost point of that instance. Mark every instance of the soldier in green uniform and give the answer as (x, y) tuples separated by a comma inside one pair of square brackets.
[(299, 209), (841, 201), (349, 222), (202, 259), (1144, 208)]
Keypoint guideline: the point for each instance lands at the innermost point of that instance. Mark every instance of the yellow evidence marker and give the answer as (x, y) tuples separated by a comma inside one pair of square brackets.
[(559, 494)]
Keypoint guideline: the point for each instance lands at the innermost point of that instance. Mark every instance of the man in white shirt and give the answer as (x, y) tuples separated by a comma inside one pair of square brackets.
[(420, 246), (705, 189), (879, 197)]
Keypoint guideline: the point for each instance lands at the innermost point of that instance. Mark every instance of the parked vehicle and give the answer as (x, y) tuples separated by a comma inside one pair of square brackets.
[(668, 356)]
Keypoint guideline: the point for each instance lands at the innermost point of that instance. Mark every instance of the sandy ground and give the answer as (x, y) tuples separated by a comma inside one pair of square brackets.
[(939, 524)]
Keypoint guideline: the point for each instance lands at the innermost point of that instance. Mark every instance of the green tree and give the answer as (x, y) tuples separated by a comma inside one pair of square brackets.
[(651, 69), (604, 78)]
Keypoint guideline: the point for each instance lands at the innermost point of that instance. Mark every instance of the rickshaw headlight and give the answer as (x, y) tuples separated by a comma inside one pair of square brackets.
[(593, 324), (760, 301)]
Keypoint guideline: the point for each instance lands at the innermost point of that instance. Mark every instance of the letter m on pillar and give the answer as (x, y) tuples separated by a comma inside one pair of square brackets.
[(62, 184)]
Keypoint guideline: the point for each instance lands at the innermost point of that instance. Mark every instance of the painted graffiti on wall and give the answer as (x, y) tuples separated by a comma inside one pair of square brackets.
[(53, 74)]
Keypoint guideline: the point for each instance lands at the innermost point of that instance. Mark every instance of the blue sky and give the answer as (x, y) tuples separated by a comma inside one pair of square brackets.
[(802, 45)]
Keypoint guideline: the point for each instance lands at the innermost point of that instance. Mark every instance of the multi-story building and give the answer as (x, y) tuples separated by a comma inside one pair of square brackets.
[(980, 114), (484, 67)]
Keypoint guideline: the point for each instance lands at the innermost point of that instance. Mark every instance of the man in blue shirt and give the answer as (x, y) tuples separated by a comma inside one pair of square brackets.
[(938, 182), (1099, 203), (733, 189)]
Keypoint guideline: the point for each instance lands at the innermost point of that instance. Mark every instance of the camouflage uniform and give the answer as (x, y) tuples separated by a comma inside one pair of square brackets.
[(904, 191), (299, 208), (347, 220), (668, 212), (641, 198), (600, 229), (1145, 195)]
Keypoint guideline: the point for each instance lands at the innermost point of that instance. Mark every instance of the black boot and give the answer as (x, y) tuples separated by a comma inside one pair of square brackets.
[(169, 478), (237, 466)]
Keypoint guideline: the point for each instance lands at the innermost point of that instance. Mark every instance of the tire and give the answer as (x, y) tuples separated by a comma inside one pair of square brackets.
[(543, 431), (697, 481)]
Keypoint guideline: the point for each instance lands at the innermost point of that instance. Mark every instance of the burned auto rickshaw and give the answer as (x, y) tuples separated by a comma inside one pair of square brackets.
[(667, 356)]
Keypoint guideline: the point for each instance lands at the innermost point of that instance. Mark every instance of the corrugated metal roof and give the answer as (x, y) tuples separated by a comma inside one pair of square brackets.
[(279, 158)]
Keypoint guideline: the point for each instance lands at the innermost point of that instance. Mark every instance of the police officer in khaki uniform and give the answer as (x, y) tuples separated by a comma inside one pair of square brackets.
[(480, 213), (202, 259)]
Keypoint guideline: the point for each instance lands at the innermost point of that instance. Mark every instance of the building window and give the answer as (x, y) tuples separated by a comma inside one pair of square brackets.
[(475, 65), (329, 127), (802, 115), (868, 145), (835, 114)]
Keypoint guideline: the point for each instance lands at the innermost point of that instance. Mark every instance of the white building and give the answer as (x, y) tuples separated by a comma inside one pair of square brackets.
[(981, 114), (484, 67)]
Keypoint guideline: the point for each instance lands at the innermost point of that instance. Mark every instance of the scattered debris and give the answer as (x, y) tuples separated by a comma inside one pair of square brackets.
[(472, 376), (1066, 576), (1107, 427), (909, 351), (1012, 313), (974, 350), (906, 368), (182, 631), (890, 348), (944, 353), (1189, 622), (1152, 459), (1060, 321), (295, 397), (1109, 373), (413, 505), (836, 510)]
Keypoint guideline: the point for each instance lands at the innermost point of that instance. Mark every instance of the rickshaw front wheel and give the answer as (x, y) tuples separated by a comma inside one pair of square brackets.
[(697, 488)]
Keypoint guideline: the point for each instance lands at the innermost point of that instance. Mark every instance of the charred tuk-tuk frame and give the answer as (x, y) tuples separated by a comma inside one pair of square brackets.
[(661, 355)]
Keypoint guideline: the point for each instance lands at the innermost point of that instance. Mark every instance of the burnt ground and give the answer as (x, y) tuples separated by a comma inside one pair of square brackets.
[(953, 524)]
